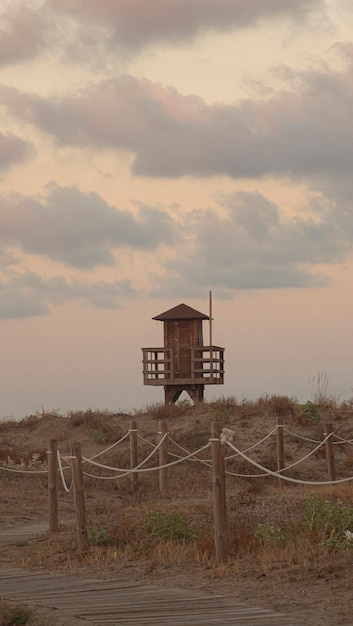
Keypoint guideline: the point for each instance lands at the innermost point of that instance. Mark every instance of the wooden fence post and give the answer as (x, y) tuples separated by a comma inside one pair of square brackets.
[(53, 486), (133, 455), (280, 444), (219, 495), (79, 496), (163, 456), (330, 452)]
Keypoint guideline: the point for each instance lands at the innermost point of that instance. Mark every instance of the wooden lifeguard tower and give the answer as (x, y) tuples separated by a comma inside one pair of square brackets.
[(184, 363)]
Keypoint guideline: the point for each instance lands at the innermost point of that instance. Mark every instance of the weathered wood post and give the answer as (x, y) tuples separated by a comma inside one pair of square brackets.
[(280, 444), (330, 452), (53, 486), (79, 496), (219, 495), (163, 456), (133, 455)]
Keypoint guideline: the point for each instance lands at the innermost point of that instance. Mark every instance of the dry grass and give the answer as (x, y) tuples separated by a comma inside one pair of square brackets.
[(267, 525), (268, 533)]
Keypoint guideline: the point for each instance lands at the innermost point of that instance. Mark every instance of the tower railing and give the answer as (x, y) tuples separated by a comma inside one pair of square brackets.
[(207, 366)]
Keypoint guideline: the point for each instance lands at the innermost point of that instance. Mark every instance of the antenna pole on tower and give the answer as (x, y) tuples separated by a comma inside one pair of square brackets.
[(210, 300)]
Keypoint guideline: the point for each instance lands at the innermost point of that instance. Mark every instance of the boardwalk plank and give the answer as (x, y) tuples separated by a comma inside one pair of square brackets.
[(106, 603), (11, 536), (125, 603)]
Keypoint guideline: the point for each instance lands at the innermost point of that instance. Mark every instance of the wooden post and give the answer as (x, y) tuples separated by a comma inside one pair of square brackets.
[(330, 453), (219, 495), (280, 443), (53, 486), (133, 455), (79, 496), (163, 457)]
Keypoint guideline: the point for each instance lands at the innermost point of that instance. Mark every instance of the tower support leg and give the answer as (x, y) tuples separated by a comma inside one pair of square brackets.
[(173, 392)]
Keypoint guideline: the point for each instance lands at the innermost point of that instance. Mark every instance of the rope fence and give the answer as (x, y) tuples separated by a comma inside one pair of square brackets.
[(222, 452)]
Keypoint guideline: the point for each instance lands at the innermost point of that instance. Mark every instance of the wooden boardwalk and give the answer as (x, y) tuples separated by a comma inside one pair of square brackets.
[(124, 603), (14, 535)]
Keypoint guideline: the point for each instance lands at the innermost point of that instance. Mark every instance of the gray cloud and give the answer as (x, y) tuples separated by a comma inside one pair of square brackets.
[(76, 28), (28, 295), (304, 132), (7, 258), (12, 150), (79, 229), (134, 25), (22, 34), (254, 248), (248, 246)]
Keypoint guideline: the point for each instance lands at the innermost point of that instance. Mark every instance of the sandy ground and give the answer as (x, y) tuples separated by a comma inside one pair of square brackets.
[(319, 595)]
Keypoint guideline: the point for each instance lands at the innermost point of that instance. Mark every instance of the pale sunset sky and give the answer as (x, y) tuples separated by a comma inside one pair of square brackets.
[(152, 151)]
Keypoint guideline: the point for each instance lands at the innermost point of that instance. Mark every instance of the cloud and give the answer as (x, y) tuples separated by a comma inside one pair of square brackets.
[(12, 150), (304, 131), (134, 24), (254, 248), (77, 27), (79, 229), (22, 34), (28, 295), (246, 245)]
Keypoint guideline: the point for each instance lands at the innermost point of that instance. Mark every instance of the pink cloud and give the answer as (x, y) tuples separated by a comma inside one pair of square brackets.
[(136, 23), (22, 35), (303, 131), (12, 150)]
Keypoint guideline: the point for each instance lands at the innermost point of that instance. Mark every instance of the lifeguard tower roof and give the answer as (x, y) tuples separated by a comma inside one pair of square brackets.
[(181, 312)]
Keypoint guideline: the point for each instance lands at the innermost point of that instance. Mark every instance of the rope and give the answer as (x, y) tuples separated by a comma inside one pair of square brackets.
[(288, 432), (306, 455), (149, 443), (208, 462), (61, 470), (287, 478), (195, 459), (148, 469), (341, 440), (192, 456), (112, 446), (227, 458), (117, 469), (254, 445), (284, 468), (106, 477)]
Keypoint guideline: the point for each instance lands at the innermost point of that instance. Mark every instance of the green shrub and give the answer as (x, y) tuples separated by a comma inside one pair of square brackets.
[(99, 437), (310, 410), (14, 616), (99, 534), (163, 526), (330, 520), (270, 534)]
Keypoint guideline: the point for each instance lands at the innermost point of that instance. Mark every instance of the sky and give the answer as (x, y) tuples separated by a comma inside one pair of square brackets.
[(152, 151)]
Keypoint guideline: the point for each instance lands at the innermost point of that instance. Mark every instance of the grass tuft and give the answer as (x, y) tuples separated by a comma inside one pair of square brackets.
[(14, 615)]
